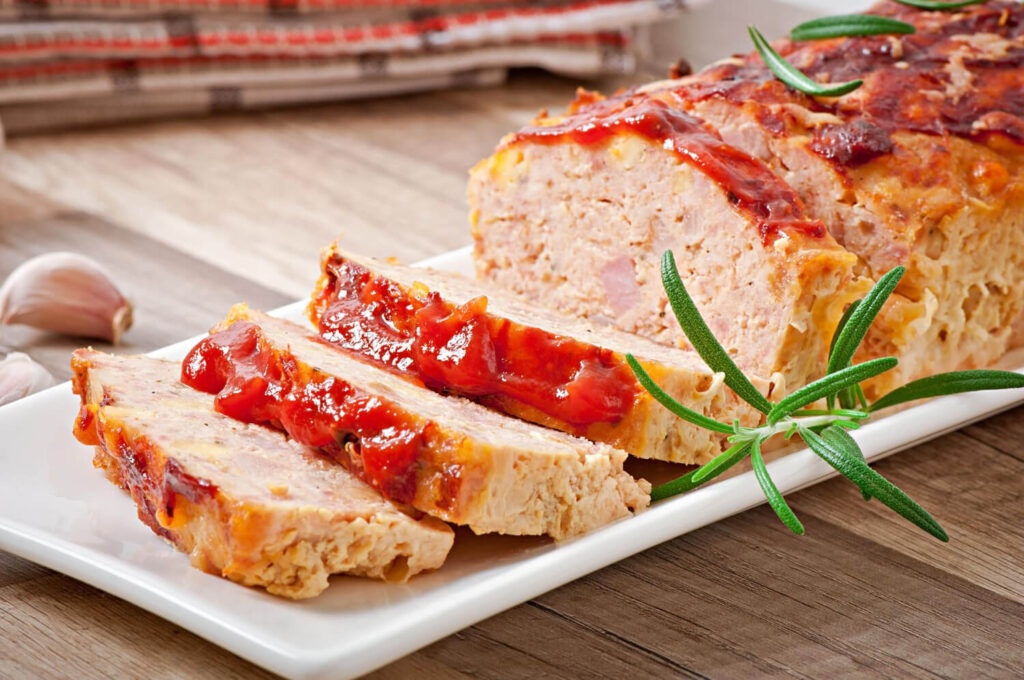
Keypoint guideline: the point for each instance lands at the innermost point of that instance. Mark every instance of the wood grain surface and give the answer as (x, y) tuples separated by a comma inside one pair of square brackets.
[(195, 215)]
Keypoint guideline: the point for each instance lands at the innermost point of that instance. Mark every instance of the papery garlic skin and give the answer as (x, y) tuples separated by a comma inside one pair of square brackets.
[(20, 376), (65, 293)]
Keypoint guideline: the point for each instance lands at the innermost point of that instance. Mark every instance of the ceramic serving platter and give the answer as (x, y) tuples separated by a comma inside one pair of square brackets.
[(55, 509)]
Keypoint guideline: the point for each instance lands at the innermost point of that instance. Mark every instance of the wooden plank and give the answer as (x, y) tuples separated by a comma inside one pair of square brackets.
[(743, 599), (16, 570), (1004, 433), (530, 642), (54, 627), (973, 490)]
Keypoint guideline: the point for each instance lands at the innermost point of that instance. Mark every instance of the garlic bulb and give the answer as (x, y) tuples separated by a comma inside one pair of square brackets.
[(65, 293), (20, 377)]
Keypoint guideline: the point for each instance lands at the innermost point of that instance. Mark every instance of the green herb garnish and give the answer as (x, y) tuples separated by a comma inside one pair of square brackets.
[(823, 430), (846, 25), (791, 76), (939, 6)]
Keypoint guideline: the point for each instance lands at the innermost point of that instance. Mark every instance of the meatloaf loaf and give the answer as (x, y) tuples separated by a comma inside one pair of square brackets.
[(575, 211), (446, 456), (922, 166), (555, 370), (242, 500)]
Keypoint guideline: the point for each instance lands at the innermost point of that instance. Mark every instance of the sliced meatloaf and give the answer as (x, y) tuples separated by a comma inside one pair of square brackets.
[(575, 211), (446, 456), (242, 500), (460, 338), (923, 166)]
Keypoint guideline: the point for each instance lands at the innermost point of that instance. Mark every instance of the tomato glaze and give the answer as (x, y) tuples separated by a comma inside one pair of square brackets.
[(138, 466), (464, 350), (905, 81), (751, 186), (255, 384)]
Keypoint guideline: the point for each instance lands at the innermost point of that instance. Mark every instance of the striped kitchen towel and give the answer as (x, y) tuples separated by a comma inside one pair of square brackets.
[(102, 60)]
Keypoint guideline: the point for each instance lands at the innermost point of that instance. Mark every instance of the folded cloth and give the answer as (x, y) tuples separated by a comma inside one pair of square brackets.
[(578, 55), (253, 52), (31, 9), (329, 35)]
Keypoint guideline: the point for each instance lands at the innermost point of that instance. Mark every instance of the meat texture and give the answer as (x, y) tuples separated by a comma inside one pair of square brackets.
[(923, 166), (556, 370), (242, 500), (575, 211), (446, 456)]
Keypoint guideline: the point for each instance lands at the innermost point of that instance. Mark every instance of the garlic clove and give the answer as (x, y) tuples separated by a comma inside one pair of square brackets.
[(20, 376), (65, 293)]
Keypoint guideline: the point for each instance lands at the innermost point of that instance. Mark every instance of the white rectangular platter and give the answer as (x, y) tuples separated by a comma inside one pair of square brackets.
[(55, 509)]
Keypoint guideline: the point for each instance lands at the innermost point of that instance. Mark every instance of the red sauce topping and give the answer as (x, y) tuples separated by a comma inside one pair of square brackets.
[(908, 80), (464, 350), (751, 185), (149, 488), (138, 479), (85, 430), (254, 384), (177, 482)]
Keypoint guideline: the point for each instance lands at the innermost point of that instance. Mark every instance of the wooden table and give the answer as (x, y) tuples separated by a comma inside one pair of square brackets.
[(195, 215)]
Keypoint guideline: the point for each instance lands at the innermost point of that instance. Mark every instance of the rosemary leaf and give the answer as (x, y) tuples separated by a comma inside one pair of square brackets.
[(709, 470), (845, 25), (840, 438), (860, 473), (666, 400), (830, 384), (860, 320), (791, 76), (843, 320), (674, 488), (771, 492), (950, 383), (702, 339), (830, 412), (861, 399), (939, 6), (847, 398), (721, 462)]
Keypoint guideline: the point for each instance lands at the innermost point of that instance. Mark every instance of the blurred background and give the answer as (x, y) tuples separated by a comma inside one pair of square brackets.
[(68, 63)]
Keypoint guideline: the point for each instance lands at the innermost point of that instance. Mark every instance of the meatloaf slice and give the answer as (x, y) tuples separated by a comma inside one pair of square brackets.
[(446, 456), (575, 211), (460, 338), (923, 166), (242, 500)]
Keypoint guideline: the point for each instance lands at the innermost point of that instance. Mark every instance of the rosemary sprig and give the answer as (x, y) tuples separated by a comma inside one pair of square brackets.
[(771, 492), (791, 76), (939, 6), (703, 340), (823, 430), (954, 382), (847, 25)]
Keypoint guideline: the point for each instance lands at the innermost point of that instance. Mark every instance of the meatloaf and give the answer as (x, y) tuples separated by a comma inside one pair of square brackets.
[(574, 213), (922, 166), (242, 500), (446, 456), (459, 338)]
